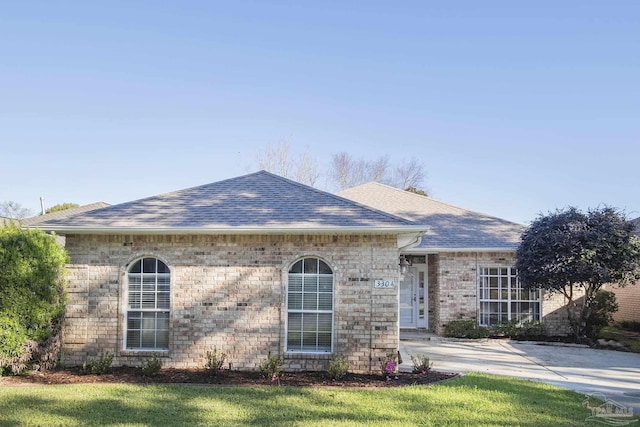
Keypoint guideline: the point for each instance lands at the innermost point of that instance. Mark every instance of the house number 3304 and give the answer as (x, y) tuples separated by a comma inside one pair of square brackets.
[(384, 284)]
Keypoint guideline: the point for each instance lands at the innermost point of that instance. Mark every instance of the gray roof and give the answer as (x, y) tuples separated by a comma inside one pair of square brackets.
[(636, 222), (260, 202), (450, 227), (65, 213)]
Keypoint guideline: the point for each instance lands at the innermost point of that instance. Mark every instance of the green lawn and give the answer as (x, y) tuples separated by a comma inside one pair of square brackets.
[(474, 400)]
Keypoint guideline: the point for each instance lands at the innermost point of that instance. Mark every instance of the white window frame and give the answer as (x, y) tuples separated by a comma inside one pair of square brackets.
[(165, 308), (303, 311), (507, 283)]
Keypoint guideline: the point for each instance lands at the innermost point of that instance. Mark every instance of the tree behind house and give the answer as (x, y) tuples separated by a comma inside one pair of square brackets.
[(570, 250)]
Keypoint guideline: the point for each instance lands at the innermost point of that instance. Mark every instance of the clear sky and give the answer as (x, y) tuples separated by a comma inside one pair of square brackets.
[(516, 108)]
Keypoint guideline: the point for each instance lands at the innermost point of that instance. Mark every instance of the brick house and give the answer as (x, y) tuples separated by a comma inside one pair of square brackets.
[(251, 266), (463, 267), (628, 297)]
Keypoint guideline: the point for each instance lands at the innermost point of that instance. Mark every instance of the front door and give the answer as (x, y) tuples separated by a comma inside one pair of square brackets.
[(413, 298)]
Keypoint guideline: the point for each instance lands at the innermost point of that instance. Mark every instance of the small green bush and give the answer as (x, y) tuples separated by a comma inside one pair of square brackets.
[(530, 330), (99, 366), (152, 365), (337, 367), (215, 361), (630, 325), (271, 368), (603, 305), (421, 363), (465, 329)]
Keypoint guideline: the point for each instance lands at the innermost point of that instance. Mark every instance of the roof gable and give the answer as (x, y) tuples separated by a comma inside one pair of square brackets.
[(258, 201), (450, 227)]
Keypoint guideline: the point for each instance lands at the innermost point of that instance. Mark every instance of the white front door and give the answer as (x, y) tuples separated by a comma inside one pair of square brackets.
[(408, 299), (413, 298)]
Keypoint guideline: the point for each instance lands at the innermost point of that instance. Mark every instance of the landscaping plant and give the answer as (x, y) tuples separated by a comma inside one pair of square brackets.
[(337, 367)]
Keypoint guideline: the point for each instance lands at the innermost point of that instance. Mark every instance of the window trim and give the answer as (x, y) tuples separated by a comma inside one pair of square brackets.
[(287, 311), (511, 275), (127, 309)]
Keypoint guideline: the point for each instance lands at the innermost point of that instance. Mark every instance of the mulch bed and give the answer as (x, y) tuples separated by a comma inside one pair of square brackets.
[(128, 375)]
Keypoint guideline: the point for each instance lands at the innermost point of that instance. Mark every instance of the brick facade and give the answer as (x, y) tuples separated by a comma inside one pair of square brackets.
[(453, 289), (628, 299), (228, 293)]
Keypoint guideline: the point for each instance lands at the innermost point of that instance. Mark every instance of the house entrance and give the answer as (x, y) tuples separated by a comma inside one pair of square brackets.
[(413, 298)]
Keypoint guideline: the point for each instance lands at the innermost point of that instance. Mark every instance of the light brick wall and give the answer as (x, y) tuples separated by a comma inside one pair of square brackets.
[(456, 280), (628, 299), (228, 292)]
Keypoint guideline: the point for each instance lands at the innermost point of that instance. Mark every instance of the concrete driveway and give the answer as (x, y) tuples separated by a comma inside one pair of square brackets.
[(615, 374)]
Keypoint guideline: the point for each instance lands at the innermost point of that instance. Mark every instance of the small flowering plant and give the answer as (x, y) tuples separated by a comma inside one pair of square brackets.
[(390, 366)]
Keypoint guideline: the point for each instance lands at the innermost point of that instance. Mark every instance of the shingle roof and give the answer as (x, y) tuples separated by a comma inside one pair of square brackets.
[(33, 221), (450, 227), (258, 202)]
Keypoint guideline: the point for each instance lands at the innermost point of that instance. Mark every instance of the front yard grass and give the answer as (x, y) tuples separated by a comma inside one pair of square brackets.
[(474, 400)]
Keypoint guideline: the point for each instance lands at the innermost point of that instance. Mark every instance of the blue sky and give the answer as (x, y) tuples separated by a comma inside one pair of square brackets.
[(515, 108)]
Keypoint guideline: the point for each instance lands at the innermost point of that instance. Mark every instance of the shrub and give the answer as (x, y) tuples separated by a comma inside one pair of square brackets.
[(421, 363), (465, 329), (32, 295), (338, 367), (99, 366), (530, 330), (389, 365), (152, 365), (271, 368), (630, 325), (602, 307), (215, 361)]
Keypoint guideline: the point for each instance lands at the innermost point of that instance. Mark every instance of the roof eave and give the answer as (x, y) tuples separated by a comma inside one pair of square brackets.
[(465, 250), (68, 230)]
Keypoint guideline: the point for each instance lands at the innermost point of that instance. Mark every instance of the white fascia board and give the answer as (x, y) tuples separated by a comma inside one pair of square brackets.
[(62, 230), (464, 250)]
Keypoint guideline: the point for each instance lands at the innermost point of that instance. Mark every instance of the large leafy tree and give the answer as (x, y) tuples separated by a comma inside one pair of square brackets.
[(570, 250), (32, 290)]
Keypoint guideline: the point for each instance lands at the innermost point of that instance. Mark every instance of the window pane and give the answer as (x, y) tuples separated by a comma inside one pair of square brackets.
[(325, 284), (133, 339), (325, 301), (324, 342), (310, 283), (324, 268), (295, 321), (324, 322), (310, 301), (295, 283), (309, 341), (162, 267), (136, 267), (294, 340), (310, 323), (310, 266), (297, 267), (295, 301), (149, 265)]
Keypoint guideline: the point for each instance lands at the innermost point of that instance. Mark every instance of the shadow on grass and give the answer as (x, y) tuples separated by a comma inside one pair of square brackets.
[(471, 400)]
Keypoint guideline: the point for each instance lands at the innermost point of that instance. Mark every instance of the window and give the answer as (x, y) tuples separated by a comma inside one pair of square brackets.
[(148, 305), (310, 307), (502, 299)]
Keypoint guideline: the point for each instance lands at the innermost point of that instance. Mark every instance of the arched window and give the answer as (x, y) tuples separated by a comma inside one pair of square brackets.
[(310, 307), (147, 326)]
